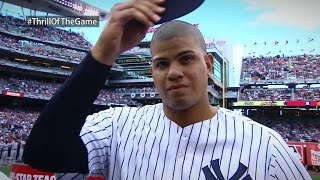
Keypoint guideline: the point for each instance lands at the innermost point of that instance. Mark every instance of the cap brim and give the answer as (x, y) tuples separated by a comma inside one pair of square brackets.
[(178, 8)]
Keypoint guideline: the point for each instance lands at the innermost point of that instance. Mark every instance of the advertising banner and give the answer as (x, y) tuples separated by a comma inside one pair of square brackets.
[(22, 171), (298, 149), (287, 103), (313, 154), (25, 172), (308, 152), (259, 103), (9, 93), (302, 103), (295, 103), (313, 103)]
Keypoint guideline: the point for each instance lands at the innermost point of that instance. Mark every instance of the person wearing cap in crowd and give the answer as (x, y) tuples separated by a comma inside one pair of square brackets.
[(184, 137)]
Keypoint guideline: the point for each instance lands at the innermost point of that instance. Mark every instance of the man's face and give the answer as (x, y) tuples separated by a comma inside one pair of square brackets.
[(180, 70)]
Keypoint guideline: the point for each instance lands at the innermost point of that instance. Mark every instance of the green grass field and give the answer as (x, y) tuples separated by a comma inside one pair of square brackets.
[(315, 177), (6, 170)]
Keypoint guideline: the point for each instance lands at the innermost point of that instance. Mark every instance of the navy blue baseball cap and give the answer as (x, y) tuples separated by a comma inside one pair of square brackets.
[(178, 8)]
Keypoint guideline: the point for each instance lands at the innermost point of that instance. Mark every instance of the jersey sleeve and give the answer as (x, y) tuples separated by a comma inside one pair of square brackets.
[(96, 135), (284, 164), (68, 176), (54, 144)]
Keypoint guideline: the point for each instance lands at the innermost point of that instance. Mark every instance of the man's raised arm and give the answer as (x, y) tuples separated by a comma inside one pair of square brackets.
[(54, 143)]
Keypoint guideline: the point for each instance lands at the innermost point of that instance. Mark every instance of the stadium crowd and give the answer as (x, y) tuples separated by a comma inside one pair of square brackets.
[(304, 67), (261, 94), (299, 130), (15, 126), (44, 90), (34, 48), (280, 94), (307, 94), (20, 27)]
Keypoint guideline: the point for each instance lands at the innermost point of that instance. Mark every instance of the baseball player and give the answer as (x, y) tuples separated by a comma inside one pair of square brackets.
[(184, 137), (4, 154), (14, 150), (22, 144)]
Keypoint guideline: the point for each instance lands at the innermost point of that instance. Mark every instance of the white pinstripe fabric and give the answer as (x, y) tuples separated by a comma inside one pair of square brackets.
[(130, 143)]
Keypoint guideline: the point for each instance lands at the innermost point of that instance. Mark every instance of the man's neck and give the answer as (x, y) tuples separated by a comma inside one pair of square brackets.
[(190, 116)]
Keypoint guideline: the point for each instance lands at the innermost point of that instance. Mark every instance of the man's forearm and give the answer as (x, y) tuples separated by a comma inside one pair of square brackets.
[(54, 143)]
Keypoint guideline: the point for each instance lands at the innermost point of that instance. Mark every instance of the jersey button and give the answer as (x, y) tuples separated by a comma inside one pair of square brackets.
[(185, 135)]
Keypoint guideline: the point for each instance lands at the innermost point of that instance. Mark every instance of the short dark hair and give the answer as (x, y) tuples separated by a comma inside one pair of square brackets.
[(178, 28)]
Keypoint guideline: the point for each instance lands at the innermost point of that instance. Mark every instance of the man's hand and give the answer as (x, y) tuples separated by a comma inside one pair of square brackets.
[(126, 26)]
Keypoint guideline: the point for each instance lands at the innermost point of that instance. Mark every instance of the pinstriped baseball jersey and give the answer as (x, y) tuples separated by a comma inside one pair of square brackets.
[(131, 143)]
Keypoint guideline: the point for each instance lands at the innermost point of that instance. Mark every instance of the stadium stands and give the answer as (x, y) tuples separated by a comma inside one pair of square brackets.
[(16, 123), (18, 26), (287, 79), (303, 67), (45, 90), (299, 130), (15, 126), (19, 43), (256, 94), (307, 94), (41, 49), (260, 72)]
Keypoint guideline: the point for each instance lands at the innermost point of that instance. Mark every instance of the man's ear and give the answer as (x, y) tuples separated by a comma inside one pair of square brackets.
[(209, 62)]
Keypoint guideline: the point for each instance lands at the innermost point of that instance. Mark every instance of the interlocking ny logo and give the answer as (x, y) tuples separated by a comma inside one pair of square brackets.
[(216, 168)]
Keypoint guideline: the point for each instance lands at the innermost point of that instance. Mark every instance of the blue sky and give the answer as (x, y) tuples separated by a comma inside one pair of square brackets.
[(246, 22)]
